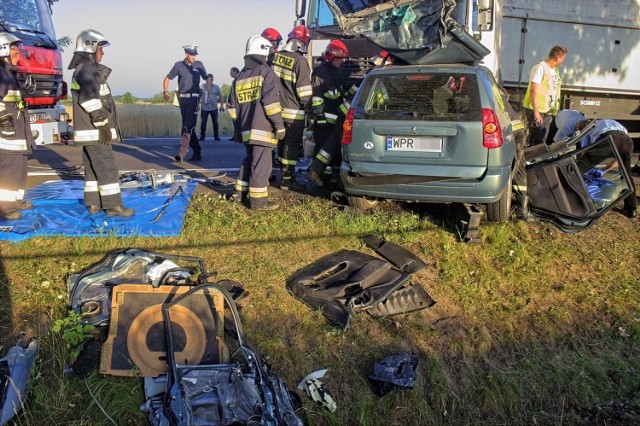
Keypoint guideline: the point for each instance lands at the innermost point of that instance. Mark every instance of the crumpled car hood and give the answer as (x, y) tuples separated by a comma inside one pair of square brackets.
[(416, 32)]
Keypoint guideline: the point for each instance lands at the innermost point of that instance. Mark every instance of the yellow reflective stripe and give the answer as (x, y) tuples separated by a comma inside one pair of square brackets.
[(90, 135), (91, 186), (75, 85), (333, 94), (323, 156), (258, 192), (232, 113), (109, 189), (249, 83), (273, 108), (521, 188), (344, 108), (8, 195), (353, 89), (294, 114), (316, 101), (13, 144), (242, 186), (249, 89), (517, 125), (91, 105), (288, 162), (12, 96), (331, 118), (284, 74), (259, 135), (304, 91)]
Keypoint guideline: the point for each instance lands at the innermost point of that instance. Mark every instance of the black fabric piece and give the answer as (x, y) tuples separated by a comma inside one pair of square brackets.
[(402, 258), (347, 282), (394, 372)]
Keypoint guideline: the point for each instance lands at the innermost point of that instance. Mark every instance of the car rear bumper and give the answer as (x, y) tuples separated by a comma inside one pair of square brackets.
[(486, 189)]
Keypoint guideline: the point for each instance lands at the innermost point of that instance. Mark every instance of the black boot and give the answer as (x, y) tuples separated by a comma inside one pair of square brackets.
[(522, 208), (119, 211)]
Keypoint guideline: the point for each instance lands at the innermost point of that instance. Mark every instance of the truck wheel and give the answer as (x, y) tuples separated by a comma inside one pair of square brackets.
[(362, 203), (501, 209)]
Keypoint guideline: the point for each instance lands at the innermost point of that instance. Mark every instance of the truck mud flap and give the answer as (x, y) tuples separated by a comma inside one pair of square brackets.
[(347, 282)]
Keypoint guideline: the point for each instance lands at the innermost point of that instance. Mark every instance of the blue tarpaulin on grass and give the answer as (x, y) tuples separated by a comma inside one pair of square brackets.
[(58, 209)]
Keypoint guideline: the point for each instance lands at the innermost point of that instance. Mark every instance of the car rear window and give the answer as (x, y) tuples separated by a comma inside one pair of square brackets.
[(420, 96)]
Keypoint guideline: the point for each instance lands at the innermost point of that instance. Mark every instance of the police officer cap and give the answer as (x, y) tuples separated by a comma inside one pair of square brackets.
[(191, 49)]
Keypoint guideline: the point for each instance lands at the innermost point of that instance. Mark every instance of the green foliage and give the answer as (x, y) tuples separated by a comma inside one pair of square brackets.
[(128, 98), (74, 333), (64, 41), (225, 89)]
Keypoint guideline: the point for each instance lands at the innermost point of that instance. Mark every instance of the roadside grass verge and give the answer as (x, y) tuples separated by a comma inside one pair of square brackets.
[(532, 326)]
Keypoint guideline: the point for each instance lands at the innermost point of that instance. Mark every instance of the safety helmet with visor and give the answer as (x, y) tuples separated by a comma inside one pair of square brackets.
[(258, 45), (89, 40), (301, 33), (335, 49), (6, 42), (273, 36)]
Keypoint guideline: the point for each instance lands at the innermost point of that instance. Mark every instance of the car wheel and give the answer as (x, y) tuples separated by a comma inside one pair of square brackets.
[(363, 203), (501, 209)]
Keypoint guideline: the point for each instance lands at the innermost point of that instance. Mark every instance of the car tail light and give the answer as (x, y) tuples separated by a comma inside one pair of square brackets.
[(347, 128), (491, 130)]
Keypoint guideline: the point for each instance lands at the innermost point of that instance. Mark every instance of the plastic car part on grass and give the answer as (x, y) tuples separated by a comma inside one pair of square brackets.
[(15, 370), (317, 391), (344, 283), (394, 372), (244, 392)]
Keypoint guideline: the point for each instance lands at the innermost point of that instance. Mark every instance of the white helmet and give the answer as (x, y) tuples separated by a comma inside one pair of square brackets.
[(89, 40), (6, 40), (258, 45)]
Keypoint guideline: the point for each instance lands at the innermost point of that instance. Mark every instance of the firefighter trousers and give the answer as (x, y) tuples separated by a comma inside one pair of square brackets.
[(290, 148), (329, 152), (253, 176), (101, 177)]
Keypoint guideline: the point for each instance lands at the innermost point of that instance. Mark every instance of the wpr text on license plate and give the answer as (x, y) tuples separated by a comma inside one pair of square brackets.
[(414, 143)]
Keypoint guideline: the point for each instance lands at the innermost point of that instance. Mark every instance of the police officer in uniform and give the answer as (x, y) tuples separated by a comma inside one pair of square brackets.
[(189, 71), (255, 102), (330, 108), (95, 125), (295, 92), (16, 140)]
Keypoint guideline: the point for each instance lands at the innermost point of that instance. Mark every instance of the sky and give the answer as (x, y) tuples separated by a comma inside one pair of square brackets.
[(146, 36)]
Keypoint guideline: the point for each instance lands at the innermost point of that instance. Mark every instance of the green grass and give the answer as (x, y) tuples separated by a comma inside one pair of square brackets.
[(532, 326)]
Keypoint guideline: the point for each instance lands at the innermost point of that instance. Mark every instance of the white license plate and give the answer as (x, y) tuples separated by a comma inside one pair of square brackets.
[(35, 117), (414, 143)]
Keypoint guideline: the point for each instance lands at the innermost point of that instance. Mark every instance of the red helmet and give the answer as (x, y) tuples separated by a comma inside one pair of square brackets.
[(272, 35), (335, 49), (301, 33), (382, 58)]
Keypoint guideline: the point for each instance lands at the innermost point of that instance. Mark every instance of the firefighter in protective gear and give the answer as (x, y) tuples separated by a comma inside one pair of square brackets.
[(255, 102), (16, 139), (274, 38), (95, 125), (330, 107), (294, 72)]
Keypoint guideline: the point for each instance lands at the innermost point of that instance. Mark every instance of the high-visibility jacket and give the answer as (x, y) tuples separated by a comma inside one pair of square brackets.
[(19, 140), (544, 100), (329, 92), (255, 103), (93, 104), (295, 83)]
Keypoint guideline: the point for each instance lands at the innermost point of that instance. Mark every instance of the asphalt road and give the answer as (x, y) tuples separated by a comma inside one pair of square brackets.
[(58, 161)]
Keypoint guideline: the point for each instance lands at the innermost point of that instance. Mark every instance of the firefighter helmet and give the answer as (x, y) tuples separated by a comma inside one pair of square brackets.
[(273, 36), (89, 40), (6, 40), (258, 45), (301, 33), (335, 49)]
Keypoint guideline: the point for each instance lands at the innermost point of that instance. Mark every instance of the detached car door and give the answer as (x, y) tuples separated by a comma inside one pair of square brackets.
[(572, 190)]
